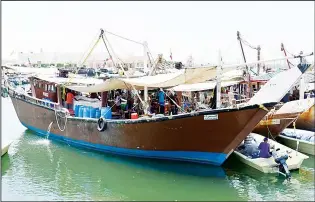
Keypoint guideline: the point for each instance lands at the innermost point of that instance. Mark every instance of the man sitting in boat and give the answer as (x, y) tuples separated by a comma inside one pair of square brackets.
[(264, 148), (250, 147)]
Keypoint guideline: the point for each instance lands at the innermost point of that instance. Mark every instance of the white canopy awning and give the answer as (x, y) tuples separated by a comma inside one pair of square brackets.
[(310, 86), (34, 70), (276, 88), (72, 81), (296, 106), (202, 86), (184, 76)]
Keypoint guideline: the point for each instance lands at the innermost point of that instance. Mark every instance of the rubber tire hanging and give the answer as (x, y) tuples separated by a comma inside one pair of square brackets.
[(101, 124)]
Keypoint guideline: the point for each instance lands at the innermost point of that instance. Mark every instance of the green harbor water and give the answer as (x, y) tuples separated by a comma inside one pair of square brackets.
[(39, 169)]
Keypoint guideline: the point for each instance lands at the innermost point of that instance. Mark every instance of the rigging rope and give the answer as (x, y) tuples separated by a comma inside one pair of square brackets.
[(121, 66), (123, 37), (97, 35)]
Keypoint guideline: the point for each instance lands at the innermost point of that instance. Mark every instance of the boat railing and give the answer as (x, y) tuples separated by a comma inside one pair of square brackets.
[(31, 99)]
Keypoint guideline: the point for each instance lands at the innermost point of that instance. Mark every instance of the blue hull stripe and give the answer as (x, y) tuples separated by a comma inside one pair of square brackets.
[(190, 156)]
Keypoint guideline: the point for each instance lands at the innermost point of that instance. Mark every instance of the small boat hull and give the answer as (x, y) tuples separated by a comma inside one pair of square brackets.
[(306, 120), (268, 165), (304, 146), (201, 137), (5, 148)]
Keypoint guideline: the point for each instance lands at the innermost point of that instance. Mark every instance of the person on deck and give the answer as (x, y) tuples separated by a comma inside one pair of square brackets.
[(118, 101), (264, 148), (94, 96), (213, 104), (177, 102), (161, 96), (69, 101), (63, 97), (130, 103), (172, 102)]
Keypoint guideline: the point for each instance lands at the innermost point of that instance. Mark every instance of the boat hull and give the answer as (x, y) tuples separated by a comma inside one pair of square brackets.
[(275, 124), (5, 149), (304, 146), (186, 137), (306, 120)]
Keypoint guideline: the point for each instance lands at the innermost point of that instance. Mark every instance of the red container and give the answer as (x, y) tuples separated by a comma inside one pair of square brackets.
[(134, 116)]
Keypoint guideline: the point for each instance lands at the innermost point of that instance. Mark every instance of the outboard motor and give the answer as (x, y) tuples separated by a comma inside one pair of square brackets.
[(281, 159), (178, 65)]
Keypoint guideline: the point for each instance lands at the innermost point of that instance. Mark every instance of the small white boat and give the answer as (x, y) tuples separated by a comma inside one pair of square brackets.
[(268, 165), (5, 147), (296, 141)]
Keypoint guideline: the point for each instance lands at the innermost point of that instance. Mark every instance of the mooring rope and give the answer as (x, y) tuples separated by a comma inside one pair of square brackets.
[(66, 119)]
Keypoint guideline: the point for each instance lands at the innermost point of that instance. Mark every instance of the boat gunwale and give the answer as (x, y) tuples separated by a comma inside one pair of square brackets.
[(296, 139), (155, 119)]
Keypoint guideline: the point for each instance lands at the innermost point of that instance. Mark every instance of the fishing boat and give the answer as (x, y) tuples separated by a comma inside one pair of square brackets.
[(306, 120), (301, 140), (268, 165), (200, 136), (156, 137), (277, 120), (5, 147)]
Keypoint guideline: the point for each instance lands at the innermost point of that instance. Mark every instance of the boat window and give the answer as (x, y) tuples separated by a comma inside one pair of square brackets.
[(52, 88)]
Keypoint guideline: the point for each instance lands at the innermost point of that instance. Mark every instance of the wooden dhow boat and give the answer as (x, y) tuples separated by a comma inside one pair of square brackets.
[(279, 119), (306, 120), (200, 136), (196, 137)]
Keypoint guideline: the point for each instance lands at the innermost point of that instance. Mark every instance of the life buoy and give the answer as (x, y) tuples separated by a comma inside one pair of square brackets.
[(101, 124)]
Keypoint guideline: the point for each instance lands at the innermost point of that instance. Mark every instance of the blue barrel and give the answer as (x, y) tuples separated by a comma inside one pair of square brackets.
[(93, 112), (76, 110), (81, 111), (97, 113), (86, 112), (106, 112)]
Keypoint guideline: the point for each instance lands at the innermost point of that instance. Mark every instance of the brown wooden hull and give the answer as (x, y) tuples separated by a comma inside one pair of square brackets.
[(186, 137), (306, 120), (274, 124)]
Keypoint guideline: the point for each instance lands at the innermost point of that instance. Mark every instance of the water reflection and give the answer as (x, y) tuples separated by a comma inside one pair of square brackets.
[(50, 170), (5, 164), (255, 185), (57, 171)]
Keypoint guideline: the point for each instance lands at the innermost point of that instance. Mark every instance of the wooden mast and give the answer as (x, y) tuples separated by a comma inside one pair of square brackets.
[(247, 69)]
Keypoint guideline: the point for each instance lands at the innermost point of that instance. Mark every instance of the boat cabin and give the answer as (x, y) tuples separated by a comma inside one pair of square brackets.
[(42, 89)]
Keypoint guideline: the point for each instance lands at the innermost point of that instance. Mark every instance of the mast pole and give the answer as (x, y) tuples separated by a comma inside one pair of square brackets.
[(218, 101), (145, 56), (247, 69), (145, 108), (302, 87), (258, 59), (285, 54)]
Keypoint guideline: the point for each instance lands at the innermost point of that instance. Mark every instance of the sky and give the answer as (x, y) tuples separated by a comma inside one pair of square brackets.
[(199, 29)]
